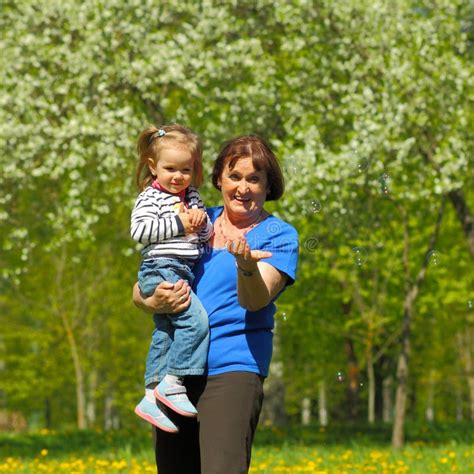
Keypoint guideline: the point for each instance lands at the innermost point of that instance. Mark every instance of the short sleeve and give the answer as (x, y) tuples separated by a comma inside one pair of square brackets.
[(281, 239)]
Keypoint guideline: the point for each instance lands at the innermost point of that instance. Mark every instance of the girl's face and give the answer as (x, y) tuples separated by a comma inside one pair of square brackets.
[(174, 169), (244, 189)]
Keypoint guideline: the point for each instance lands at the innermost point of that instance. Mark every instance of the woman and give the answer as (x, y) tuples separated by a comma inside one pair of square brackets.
[(250, 260)]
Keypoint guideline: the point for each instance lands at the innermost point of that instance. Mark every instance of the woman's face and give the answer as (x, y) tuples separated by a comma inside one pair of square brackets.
[(244, 189)]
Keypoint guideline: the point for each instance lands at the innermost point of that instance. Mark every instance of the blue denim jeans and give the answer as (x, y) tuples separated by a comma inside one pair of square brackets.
[(179, 341)]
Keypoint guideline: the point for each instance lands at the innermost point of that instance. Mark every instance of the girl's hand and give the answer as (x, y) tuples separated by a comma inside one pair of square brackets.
[(246, 259), (197, 216), (167, 298), (189, 218)]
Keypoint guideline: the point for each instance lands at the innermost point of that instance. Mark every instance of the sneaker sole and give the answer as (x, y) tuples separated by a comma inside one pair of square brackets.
[(152, 420), (169, 404)]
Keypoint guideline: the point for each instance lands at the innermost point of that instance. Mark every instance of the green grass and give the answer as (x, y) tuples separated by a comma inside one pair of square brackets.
[(360, 433), (339, 449)]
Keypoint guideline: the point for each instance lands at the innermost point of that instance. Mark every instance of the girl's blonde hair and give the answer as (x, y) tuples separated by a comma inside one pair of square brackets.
[(152, 140)]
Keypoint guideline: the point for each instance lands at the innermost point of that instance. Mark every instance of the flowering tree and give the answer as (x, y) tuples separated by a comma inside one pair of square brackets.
[(369, 105)]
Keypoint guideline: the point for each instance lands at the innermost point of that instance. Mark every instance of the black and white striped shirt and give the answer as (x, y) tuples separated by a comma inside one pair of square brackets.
[(156, 225)]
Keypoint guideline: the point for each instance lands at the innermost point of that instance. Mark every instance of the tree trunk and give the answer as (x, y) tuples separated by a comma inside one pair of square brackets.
[(429, 413), (352, 370), (465, 345), (459, 410), (306, 411), (108, 412), (353, 378), (115, 421), (58, 307), (80, 397), (273, 410), (470, 381), (460, 205), (411, 293), (387, 399), (91, 398), (465, 217), (80, 386), (47, 413), (398, 433), (323, 411), (371, 387)]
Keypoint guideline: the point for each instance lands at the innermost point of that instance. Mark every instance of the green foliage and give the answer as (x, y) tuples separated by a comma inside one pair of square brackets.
[(369, 107)]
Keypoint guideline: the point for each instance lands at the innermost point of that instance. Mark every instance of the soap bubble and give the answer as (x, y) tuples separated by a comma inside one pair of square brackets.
[(384, 181), (313, 206), (361, 165), (359, 254), (434, 257), (291, 166)]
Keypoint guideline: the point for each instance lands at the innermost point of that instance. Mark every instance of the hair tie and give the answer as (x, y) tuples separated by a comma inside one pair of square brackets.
[(160, 133)]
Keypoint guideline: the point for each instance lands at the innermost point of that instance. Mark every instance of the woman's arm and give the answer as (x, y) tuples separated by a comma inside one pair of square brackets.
[(257, 290), (167, 298), (257, 282)]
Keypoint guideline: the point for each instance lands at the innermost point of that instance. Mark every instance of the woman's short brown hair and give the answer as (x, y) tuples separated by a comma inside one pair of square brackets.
[(263, 159)]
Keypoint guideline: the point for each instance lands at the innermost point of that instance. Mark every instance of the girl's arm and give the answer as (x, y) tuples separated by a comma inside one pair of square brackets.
[(148, 227), (207, 230), (167, 298), (257, 282), (195, 202)]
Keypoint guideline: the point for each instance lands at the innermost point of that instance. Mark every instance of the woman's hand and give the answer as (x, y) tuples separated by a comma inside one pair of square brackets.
[(257, 282), (246, 258), (167, 298)]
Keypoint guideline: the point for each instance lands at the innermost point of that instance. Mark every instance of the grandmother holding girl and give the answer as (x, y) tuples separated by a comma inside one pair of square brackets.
[(246, 258)]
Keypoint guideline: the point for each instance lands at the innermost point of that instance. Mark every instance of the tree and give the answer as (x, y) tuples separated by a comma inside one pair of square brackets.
[(345, 94)]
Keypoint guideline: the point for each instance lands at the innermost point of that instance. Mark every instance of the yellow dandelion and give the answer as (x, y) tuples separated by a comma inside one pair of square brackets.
[(44, 452), (375, 455), (346, 455)]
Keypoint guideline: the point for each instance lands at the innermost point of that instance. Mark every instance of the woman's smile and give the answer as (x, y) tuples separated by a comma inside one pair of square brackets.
[(244, 189)]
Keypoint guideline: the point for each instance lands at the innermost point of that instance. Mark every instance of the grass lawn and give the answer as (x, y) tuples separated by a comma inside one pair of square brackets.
[(339, 449)]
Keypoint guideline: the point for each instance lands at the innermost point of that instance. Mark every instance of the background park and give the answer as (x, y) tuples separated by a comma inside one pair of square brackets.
[(368, 105)]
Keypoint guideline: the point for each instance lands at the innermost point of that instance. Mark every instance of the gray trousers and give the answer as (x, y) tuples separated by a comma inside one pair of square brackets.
[(220, 440)]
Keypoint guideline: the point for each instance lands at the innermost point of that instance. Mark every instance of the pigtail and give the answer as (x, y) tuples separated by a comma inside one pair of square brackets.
[(143, 176)]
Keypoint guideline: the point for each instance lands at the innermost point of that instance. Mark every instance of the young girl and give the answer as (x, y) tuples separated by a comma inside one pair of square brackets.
[(170, 221)]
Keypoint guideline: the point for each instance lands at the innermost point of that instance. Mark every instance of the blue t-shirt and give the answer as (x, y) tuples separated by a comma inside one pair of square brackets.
[(241, 340)]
